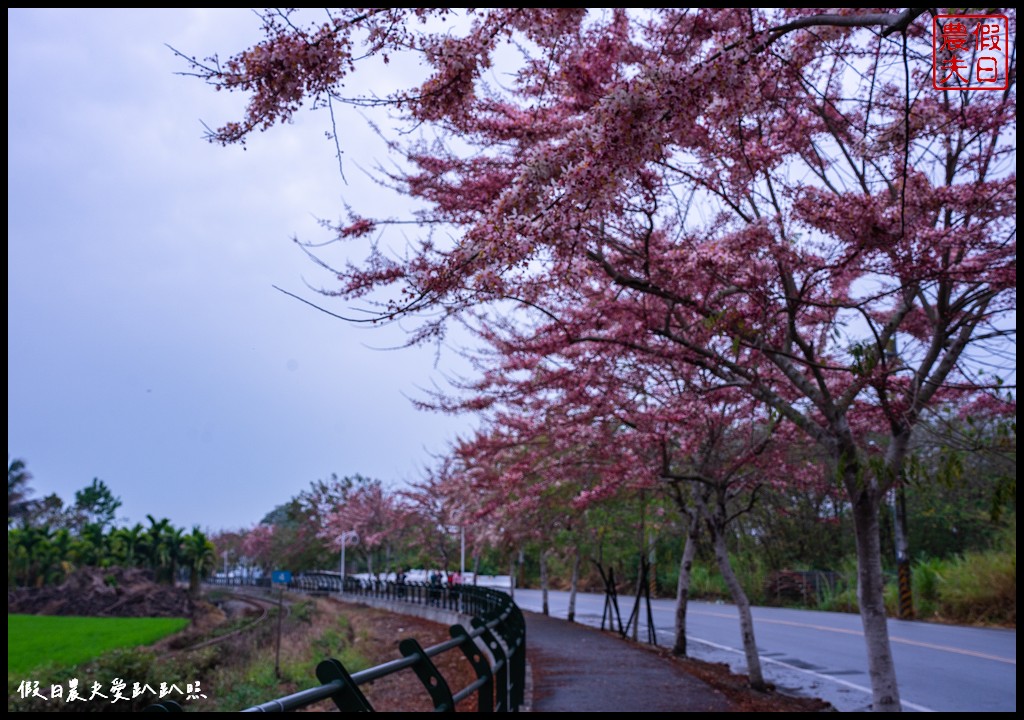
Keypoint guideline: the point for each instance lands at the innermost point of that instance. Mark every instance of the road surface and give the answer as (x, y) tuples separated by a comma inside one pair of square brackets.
[(940, 668)]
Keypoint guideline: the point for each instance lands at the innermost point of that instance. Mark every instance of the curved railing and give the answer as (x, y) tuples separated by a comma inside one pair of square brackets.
[(495, 647)]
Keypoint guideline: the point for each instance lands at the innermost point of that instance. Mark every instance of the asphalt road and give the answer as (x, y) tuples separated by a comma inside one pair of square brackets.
[(941, 668)]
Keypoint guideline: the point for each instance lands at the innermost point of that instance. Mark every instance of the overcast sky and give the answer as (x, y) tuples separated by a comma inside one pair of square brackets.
[(146, 345)]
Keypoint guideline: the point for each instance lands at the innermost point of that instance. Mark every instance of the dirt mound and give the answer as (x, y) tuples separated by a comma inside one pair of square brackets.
[(103, 592)]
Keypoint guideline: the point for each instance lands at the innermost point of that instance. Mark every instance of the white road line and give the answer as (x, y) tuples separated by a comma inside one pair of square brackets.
[(848, 631), (812, 673)]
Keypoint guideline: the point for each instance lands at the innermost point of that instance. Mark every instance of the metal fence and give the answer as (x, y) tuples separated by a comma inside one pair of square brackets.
[(495, 647)]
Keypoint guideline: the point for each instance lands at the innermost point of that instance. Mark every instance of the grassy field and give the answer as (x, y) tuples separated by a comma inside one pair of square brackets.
[(34, 640)]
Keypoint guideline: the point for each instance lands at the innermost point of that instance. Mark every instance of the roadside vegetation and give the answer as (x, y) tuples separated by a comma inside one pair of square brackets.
[(241, 671), (973, 588), (233, 674), (245, 674)]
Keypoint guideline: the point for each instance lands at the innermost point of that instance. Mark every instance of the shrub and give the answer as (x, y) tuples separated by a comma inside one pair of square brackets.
[(980, 587)]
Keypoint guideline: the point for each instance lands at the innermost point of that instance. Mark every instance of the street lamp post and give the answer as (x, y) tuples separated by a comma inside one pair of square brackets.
[(345, 537)]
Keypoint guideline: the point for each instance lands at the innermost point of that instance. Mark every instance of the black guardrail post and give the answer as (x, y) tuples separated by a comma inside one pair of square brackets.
[(350, 698), (485, 696), (501, 669), (427, 672)]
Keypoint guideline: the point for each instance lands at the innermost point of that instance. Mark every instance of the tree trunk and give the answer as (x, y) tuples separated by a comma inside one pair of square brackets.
[(743, 607), (639, 594), (895, 459), (885, 696), (652, 563), (544, 581), (512, 577), (683, 586), (574, 584), (903, 555)]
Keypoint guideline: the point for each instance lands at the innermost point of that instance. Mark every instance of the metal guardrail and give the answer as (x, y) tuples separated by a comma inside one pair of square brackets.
[(495, 648)]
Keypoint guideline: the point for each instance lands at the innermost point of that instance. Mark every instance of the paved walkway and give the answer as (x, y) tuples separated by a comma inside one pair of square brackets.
[(576, 668)]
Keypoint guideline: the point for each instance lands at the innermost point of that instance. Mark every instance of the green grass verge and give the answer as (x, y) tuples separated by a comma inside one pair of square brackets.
[(35, 640)]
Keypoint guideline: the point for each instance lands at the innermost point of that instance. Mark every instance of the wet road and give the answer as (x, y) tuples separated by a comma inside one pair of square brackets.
[(940, 667)]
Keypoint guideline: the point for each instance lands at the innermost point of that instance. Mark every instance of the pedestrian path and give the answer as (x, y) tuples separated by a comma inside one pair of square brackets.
[(575, 668)]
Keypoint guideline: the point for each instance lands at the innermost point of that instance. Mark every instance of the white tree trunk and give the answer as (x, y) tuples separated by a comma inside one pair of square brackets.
[(512, 577), (574, 584), (743, 607), (885, 695), (683, 586)]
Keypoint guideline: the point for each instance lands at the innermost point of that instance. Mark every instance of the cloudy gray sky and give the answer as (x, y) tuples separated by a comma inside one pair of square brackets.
[(146, 345)]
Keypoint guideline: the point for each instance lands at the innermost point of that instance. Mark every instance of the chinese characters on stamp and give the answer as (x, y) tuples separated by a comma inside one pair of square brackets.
[(970, 52)]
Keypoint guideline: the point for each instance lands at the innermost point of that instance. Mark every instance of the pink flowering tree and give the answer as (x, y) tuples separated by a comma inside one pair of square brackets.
[(537, 474), (259, 548), (717, 461), (376, 516), (599, 421), (778, 198), (434, 517)]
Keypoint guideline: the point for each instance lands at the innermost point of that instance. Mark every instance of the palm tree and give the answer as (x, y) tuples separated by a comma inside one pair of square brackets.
[(29, 555), (18, 504), (17, 556), (174, 538), (92, 547), (126, 543), (200, 555), (156, 548), (61, 545)]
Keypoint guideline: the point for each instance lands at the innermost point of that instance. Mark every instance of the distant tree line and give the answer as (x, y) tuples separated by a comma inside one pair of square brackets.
[(960, 493), (48, 540)]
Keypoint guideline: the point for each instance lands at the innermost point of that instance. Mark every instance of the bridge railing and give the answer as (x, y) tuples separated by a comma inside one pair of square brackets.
[(494, 645)]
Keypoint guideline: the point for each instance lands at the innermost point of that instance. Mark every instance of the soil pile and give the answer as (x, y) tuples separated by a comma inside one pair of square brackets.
[(103, 592)]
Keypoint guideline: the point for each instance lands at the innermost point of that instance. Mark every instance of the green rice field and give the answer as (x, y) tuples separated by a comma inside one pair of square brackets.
[(34, 640)]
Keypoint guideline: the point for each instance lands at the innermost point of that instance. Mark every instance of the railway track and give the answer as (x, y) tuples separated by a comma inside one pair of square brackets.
[(261, 604)]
